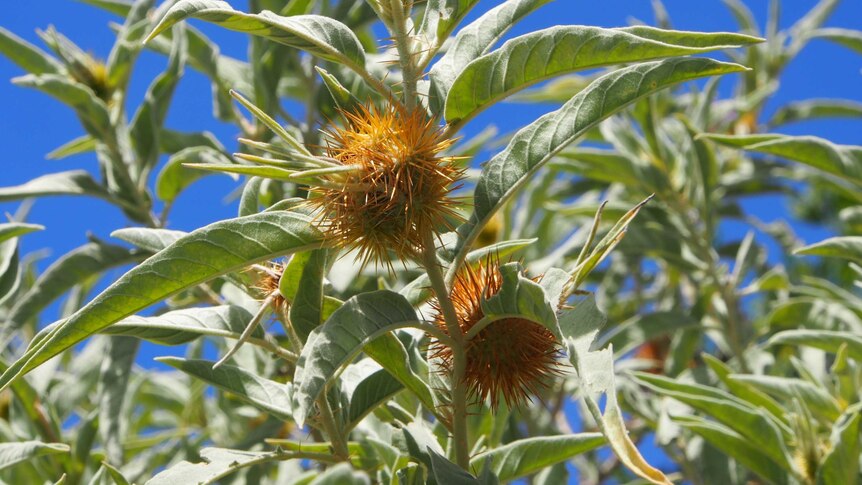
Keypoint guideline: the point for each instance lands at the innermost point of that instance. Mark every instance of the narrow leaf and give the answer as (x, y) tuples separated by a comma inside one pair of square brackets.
[(537, 56), (321, 36), (13, 453), (844, 161), (359, 321), (267, 395), (845, 247), (73, 182), (527, 456), (75, 267), (536, 144), (182, 326), (204, 254)]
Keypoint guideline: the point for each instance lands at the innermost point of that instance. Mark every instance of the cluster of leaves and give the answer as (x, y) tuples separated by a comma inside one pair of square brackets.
[(740, 368)]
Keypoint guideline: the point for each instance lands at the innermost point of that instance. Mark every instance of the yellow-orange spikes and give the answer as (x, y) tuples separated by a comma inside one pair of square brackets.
[(512, 358), (397, 158)]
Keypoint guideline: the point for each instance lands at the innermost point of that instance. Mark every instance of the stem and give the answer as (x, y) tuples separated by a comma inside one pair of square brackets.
[(459, 357), (703, 245), (339, 445), (405, 52)]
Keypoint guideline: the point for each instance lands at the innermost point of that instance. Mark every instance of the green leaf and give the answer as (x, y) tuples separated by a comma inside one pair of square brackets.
[(128, 44), (471, 42), (360, 320), (182, 326), (15, 229), (340, 474), (10, 269), (828, 340), (148, 238), (204, 254), (392, 355), (537, 56), (522, 297), (217, 463), (117, 7), (75, 267), (845, 247), (527, 456), (752, 423), (82, 144), (113, 384), (175, 176), (448, 473), (441, 17), (371, 390), (743, 390), (146, 125), (306, 302), (845, 161), (321, 36), (116, 475), (813, 109), (13, 453), (73, 182), (579, 328), (29, 57), (734, 445), (841, 463), (92, 111), (264, 171), (533, 146), (817, 399), (849, 38), (267, 395)]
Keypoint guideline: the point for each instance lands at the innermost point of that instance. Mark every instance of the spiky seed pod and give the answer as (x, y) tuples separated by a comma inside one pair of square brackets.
[(512, 358), (394, 187)]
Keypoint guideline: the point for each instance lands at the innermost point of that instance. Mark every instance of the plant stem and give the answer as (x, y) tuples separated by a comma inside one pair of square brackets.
[(459, 357), (405, 52), (339, 445)]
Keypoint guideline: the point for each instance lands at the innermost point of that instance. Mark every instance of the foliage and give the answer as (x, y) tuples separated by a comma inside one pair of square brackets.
[(380, 252)]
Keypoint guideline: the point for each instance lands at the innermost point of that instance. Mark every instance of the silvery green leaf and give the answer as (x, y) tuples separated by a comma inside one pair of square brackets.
[(16, 452), (579, 328), (736, 446), (813, 109), (75, 267), (321, 36), (270, 396), (204, 254), (841, 463), (472, 41), (147, 238), (533, 146), (182, 326), (844, 247), (543, 54), (530, 455), (828, 340), (357, 323), (843, 161), (216, 463), (72, 182), (29, 57), (849, 38)]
